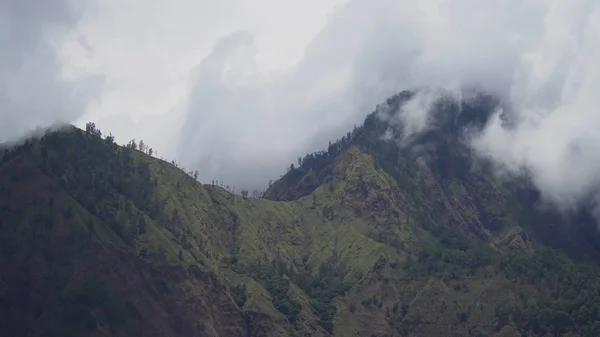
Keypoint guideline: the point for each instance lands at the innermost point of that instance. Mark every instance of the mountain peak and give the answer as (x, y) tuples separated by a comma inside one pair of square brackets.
[(375, 235)]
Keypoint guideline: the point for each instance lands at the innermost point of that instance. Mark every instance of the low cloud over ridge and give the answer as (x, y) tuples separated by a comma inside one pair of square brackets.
[(33, 89), (245, 126), (538, 56)]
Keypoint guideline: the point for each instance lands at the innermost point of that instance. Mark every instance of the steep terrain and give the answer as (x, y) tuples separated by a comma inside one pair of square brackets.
[(372, 237)]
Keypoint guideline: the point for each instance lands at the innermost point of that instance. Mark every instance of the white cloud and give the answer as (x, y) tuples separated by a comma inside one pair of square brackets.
[(262, 95), (540, 57), (33, 90), (368, 51), (556, 107)]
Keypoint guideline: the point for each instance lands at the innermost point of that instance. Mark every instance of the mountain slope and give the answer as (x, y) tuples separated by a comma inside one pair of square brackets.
[(444, 184), (367, 238), (66, 273)]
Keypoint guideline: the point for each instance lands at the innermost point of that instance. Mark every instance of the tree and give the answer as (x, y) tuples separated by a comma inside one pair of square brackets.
[(150, 151), (403, 309), (6, 156), (142, 225), (244, 193), (44, 155), (196, 175), (142, 146), (110, 139), (27, 146), (132, 144), (239, 295), (91, 129)]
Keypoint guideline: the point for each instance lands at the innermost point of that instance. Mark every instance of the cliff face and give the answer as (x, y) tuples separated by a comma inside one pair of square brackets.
[(369, 238)]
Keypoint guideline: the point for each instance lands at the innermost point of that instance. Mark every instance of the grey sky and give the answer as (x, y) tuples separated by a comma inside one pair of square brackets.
[(240, 89), (33, 90)]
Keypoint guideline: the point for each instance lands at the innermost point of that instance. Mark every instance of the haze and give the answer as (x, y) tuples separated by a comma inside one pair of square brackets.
[(239, 91)]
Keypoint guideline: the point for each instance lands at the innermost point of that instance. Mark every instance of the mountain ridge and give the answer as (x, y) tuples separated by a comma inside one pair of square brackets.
[(361, 239)]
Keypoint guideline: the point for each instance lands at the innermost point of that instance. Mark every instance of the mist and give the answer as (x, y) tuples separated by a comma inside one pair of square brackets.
[(236, 121), (539, 57), (34, 89)]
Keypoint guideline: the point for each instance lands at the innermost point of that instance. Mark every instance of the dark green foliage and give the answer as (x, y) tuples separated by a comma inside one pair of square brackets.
[(161, 286), (567, 290), (239, 295), (93, 294), (328, 212), (116, 186), (142, 225), (90, 128), (99, 174), (463, 316), (77, 310), (273, 277), (117, 313), (570, 294), (144, 252), (44, 151), (452, 263), (233, 259), (160, 255), (404, 309), (6, 156), (367, 136), (322, 289), (450, 161)]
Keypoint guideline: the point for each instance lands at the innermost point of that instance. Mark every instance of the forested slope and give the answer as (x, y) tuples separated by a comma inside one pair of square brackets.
[(368, 238)]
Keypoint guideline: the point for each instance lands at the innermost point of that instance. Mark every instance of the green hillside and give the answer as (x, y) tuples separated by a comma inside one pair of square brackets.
[(367, 238)]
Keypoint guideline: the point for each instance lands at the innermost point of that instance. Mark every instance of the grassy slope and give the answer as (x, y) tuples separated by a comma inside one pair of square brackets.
[(66, 273), (200, 242), (211, 223), (431, 200)]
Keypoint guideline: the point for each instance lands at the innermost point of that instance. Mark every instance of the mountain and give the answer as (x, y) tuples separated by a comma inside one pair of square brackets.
[(371, 237)]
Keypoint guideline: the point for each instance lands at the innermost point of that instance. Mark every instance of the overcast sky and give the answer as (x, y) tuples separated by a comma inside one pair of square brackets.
[(239, 89)]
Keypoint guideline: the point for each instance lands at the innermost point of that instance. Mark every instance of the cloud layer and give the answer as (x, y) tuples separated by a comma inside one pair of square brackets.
[(33, 88), (539, 56), (556, 108), (240, 124)]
